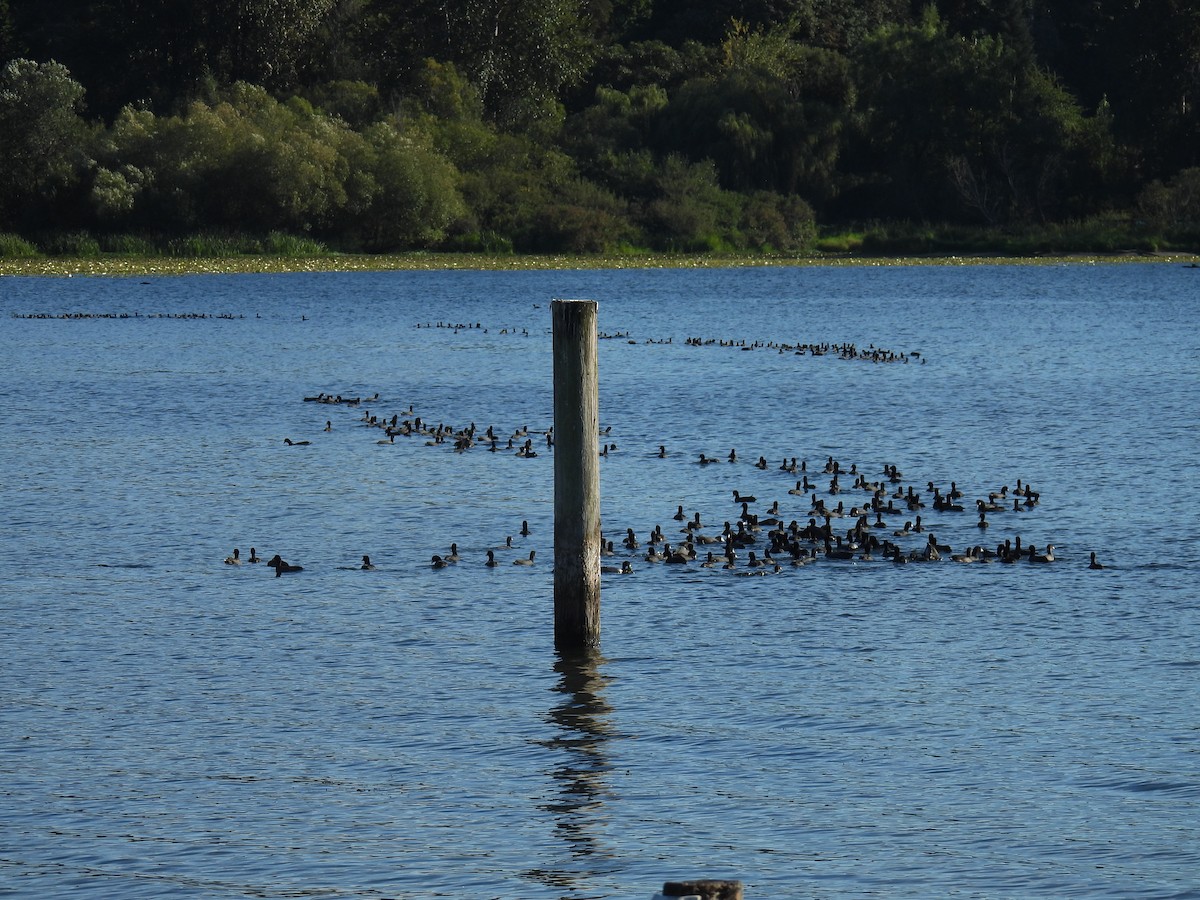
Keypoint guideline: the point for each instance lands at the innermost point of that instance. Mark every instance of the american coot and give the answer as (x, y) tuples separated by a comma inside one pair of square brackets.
[(280, 566)]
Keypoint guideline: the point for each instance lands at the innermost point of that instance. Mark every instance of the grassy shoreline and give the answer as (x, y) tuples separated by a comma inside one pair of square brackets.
[(118, 266)]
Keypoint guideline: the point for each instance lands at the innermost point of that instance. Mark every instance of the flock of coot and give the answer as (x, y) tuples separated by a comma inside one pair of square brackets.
[(841, 513)]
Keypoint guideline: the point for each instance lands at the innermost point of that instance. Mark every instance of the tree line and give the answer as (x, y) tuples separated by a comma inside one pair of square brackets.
[(602, 126)]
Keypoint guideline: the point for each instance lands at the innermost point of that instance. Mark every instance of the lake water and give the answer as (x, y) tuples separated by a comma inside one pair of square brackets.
[(171, 726)]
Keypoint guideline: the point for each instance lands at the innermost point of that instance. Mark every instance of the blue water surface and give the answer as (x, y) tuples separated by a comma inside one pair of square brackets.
[(171, 726)]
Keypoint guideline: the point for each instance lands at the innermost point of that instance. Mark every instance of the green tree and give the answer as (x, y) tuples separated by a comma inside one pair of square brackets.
[(251, 163), (770, 118), (1143, 61), (333, 50), (44, 142), (519, 192), (161, 53), (355, 102), (829, 24), (843, 25), (519, 54), (963, 128), (613, 20), (416, 200), (623, 67), (705, 21), (9, 47), (617, 122)]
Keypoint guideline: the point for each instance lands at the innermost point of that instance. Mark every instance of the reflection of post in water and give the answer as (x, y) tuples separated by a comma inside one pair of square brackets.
[(581, 767), (582, 714)]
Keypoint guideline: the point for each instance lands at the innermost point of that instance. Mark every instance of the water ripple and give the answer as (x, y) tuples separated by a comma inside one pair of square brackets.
[(174, 727)]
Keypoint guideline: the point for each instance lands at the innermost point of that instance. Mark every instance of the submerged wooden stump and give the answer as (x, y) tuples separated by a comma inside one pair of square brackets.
[(705, 889)]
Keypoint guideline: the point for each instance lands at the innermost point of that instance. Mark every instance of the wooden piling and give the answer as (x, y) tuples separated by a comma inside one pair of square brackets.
[(576, 475)]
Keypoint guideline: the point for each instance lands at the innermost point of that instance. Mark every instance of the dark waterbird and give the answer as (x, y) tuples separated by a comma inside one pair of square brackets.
[(280, 566)]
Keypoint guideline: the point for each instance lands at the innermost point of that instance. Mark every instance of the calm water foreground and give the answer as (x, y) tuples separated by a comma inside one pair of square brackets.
[(171, 726)]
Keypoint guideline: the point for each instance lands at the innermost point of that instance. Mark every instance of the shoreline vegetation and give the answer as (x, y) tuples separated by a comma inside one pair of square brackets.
[(79, 253), (630, 133), (118, 266)]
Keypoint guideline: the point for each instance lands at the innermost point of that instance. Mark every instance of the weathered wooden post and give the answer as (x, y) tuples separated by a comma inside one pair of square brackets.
[(576, 475)]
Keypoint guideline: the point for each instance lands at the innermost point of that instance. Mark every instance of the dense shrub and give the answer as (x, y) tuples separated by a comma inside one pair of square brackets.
[(128, 245), (1174, 205), (14, 246), (248, 163), (279, 244), (210, 245), (69, 243), (582, 218), (688, 211), (776, 222)]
